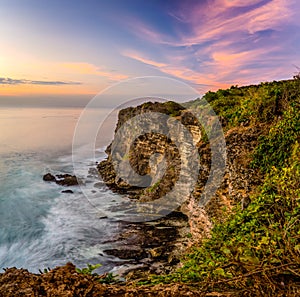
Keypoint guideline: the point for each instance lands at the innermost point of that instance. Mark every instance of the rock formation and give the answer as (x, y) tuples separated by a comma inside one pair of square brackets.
[(66, 180), (155, 154)]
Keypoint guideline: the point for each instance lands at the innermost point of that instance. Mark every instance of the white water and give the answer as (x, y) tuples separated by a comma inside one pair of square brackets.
[(39, 225)]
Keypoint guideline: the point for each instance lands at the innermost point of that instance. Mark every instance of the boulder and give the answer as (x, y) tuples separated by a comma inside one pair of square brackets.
[(61, 179), (49, 177), (66, 180), (67, 191)]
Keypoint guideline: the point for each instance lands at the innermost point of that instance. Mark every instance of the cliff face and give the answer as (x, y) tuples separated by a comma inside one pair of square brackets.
[(157, 157), (147, 146)]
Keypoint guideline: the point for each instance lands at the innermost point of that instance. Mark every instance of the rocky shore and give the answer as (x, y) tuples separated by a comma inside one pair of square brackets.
[(156, 247), (151, 248), (66, 282)]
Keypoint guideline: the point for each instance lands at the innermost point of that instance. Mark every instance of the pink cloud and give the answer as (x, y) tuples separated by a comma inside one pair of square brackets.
[(219, 20), (179, 71), (213, 20), (238, 3), (139, 58), (225, 44)]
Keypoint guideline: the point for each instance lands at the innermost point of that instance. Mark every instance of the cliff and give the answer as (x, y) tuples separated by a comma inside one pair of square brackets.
[(246, 237), (238, 179)]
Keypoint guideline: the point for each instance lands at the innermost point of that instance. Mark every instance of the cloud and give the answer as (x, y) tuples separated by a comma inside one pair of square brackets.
[(178, 71), (146, 32), (224, 19), (238, 3), (220, 43), (11, 81), (217, 19), (90, 69), (137, 57)]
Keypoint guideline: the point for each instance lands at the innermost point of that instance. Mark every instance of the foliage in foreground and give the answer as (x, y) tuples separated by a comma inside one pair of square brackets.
[(89, 269), (106, 278)]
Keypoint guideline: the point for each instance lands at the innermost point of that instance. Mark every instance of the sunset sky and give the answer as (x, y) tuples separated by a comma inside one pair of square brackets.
[(66, 48)]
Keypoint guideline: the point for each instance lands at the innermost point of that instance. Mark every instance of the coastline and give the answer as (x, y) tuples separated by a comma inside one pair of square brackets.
[(228, 244)]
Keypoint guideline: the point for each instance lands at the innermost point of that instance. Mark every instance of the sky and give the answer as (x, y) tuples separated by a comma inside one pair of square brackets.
[(74, 49)]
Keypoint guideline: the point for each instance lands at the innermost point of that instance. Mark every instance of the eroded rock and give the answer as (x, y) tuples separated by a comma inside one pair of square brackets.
[(49, 177), (66, 180), (61, 179)]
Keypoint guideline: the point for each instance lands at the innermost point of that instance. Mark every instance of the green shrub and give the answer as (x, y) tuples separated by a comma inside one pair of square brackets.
[(275, 147), (106, 278), (253, 104), (89, 269)]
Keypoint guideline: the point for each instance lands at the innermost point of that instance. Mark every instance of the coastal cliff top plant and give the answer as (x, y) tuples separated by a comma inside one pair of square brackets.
[(253, 104), (276, 146)]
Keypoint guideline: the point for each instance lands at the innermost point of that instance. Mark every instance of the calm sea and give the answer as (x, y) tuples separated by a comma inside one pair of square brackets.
[(39, 225)]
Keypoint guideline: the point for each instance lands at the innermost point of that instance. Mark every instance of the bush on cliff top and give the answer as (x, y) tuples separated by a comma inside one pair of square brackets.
[(253, 104), (275, 147)]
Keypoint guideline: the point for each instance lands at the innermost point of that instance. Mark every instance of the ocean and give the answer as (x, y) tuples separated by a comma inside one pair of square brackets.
[(40, 226)]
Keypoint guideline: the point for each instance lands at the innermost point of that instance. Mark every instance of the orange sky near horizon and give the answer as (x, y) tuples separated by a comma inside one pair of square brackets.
[(54, 48)]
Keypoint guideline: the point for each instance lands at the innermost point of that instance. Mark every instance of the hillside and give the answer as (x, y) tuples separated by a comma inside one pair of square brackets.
[(255, 249)]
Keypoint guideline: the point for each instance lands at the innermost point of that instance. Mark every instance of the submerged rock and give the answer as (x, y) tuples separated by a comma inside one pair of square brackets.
[(68, 191)]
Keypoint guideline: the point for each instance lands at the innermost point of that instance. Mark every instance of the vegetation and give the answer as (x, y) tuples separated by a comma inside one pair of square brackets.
[(153, 187), (257, 250), (106, 278), (275, 147), (251, 104), (89, 269)]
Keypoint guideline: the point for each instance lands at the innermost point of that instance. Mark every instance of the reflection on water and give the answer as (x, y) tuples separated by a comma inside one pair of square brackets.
[(31, 129), (27, 129)]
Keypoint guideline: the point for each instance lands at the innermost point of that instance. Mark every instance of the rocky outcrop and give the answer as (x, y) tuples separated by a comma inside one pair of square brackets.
[(65, 281), (156, 156), (66, 180), (153, 155), (152, 247), (49, 177)]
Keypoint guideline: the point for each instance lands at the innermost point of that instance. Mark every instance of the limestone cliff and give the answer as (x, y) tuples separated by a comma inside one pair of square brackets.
[(151, 153), (156, 155)]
